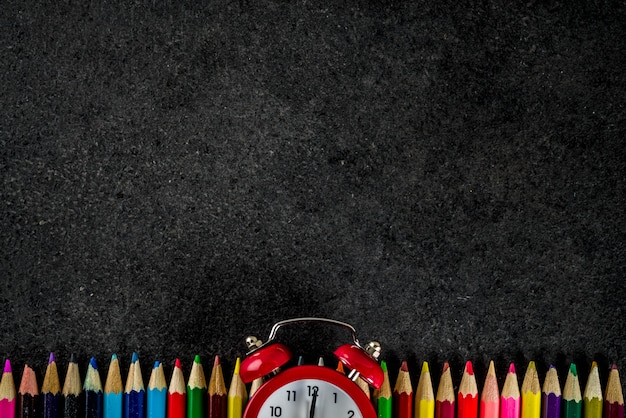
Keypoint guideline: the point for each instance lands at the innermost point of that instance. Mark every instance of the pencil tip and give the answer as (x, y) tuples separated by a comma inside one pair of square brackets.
[(404, 367), (531, 365), (51, 359), (216, 362), (446, 366), (93, 363), (72, 358), (7, 366), (177, 363), (572, 369), (469, 369), (425, 368), (196, 359), (237, 365), (594, 364), (383, 365), (512, 368), (614, 367), (135, 357), (157, 363), (114, 357)]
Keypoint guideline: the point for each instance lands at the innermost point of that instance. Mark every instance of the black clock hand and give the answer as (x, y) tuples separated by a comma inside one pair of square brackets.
[(312, 410)]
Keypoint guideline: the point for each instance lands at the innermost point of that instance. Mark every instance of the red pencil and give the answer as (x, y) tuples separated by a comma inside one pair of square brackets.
[(444, 405), (403, 394), (467, 402), (613, 396), (177, 393)]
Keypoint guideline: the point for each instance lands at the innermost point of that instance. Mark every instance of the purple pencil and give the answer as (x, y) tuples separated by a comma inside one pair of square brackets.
[(551, 395)]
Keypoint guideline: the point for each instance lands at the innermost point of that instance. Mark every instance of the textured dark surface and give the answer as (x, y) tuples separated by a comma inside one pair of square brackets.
[(449, 178)]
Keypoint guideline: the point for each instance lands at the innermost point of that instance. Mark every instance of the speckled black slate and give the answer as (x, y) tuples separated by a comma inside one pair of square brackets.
[(448, 177)]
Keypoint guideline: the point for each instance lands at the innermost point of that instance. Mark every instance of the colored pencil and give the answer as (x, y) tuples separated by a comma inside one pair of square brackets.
[(113, 389), (467, 400), (592, 398), (383, 394), (510, 401), (237, 394), (92, 387), (424, 395), (7, 392), (196, 391), (72, 391), (134, 392), (218, 395), (51, 390), (551, 395), (613, 397), (572, 399), (403, 394), (255, 385), (444, 404), (28, 394), (531, 393), (365, 387), (490, 397), (340, 368), (177, 393), (157, 391)]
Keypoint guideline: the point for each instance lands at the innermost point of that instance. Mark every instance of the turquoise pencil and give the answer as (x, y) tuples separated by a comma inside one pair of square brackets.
[(157, 392), (113, 389)]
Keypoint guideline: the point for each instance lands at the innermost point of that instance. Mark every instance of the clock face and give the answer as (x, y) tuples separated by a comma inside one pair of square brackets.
[(309, 392)]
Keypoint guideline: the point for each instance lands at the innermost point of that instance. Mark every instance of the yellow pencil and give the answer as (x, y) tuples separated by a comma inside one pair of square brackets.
[(237, 395), (531, 393), (592, 398), (424, 395)]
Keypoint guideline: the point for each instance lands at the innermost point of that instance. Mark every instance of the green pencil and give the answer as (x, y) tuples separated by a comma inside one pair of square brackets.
[(592, 399), (196, 391), (383, 395), (572, 400)]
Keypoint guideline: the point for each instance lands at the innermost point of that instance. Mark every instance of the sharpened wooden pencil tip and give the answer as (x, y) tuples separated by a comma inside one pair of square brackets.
[(216, 362), (404, 367)]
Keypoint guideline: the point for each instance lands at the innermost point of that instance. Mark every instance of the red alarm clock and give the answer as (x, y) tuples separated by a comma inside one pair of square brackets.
[(310, 391)]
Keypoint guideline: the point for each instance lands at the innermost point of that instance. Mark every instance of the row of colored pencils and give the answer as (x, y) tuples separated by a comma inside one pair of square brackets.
[(90, 399), (533, 401)]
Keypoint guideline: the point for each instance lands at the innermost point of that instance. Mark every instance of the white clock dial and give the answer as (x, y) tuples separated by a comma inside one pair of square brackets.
[(309, 398)]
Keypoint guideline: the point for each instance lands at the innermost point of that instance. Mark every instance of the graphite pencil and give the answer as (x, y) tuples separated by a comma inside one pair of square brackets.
[(177, 393), (196, 390), (218, 395), (7, 392), (237, 394), (424, 395), (572, 398), (403, 393), (134, 391), (28, 394), (551, 395), (72, 391), (113, 389), (383, 394), (531, 393), (613, 396), (51, 390), (157, 391), (444, 404), (490, 397), (467, 400), (592, 398), (92, 387), (510, 400)]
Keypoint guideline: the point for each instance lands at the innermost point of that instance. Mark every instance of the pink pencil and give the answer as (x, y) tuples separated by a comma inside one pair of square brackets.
[(7, 392), (510, 398)]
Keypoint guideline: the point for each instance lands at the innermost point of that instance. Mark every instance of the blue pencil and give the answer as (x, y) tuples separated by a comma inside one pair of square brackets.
[(134, 393), (92, 386), (157, 392), (113, 389)]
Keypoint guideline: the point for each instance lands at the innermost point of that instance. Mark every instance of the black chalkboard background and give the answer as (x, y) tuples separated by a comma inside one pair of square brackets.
[(448, 177)]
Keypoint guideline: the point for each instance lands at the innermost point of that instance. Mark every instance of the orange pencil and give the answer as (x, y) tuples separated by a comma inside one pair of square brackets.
[(467, 401), (490, 398), (444, 404), (402, 402), (28, 394)]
